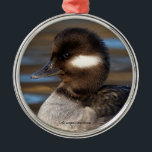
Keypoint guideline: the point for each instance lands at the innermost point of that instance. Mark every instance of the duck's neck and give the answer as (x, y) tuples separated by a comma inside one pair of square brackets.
[(84, 96)]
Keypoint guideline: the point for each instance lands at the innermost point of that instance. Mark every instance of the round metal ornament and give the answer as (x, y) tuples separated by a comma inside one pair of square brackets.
[(40, 45)]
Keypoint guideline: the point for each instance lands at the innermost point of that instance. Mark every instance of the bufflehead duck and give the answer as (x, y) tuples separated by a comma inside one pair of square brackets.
[(81, 102)]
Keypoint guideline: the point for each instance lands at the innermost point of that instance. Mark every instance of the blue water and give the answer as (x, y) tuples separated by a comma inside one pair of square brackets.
[(26, 78), (34, 98), (114, 43)]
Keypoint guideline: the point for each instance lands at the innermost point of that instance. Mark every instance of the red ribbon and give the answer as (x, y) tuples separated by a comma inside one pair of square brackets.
[(76, 6)]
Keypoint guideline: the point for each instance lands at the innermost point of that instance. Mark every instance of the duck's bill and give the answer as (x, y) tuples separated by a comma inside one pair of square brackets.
[(46, 71)]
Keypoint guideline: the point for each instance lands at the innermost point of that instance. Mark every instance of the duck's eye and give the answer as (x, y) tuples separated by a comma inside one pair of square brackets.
[(66, 55)]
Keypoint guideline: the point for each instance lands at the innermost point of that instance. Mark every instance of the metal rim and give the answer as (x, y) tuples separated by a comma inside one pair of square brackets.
[(33, 117)]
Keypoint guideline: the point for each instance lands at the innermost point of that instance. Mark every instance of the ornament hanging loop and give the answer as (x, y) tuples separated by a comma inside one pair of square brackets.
[(76, 6)]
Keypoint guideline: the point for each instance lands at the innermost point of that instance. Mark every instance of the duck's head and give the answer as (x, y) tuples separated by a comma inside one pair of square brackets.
[(80, 58)]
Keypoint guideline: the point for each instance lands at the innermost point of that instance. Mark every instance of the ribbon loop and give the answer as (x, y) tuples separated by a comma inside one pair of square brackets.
[(76, 6)]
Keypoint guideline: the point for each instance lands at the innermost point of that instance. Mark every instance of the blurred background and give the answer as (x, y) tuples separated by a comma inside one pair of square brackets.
[(37, 54)]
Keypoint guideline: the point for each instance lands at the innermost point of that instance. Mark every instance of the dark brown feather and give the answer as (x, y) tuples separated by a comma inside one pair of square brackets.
[(110, 99)]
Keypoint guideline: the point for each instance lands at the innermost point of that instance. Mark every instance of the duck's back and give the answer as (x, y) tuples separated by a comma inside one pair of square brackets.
[(110, 99)]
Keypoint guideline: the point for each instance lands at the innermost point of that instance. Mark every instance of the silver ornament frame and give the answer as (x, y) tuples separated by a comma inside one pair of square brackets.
[(28, 111)]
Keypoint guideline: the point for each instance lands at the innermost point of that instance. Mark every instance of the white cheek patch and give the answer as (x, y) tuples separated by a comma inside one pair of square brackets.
[(85, 61)]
